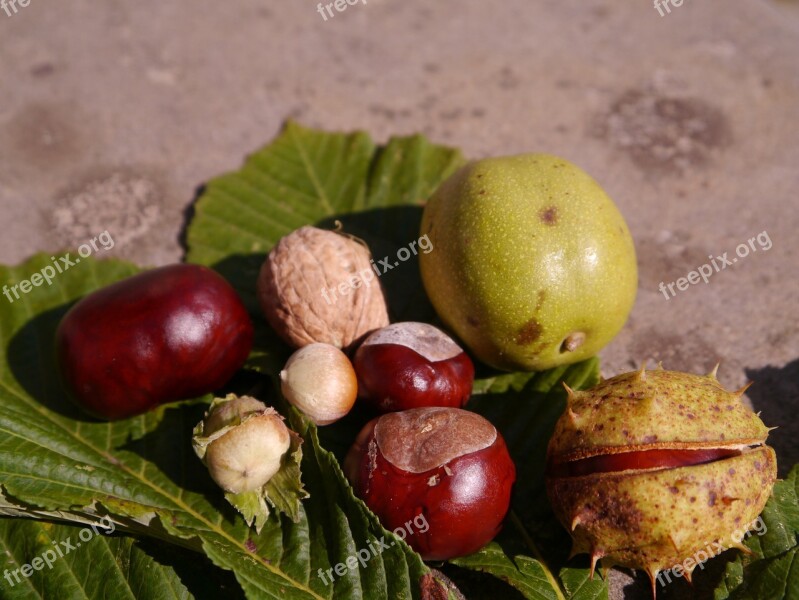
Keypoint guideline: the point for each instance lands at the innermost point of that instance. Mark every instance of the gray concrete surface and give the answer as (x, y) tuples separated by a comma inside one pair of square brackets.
[(112, 114)]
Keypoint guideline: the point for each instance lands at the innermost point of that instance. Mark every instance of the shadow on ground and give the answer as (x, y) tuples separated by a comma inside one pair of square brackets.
[(775, 393)]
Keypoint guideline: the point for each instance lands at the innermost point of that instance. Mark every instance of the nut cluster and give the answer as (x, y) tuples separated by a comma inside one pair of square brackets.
[(426, 458)]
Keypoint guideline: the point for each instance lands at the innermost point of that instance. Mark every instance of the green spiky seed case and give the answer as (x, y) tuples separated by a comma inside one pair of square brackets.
[(654, 518)]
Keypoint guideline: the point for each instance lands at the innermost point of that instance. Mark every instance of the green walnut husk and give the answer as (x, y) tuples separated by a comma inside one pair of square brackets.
[(533, 265), (656, 517)]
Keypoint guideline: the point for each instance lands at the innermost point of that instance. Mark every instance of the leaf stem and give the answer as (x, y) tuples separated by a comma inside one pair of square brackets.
[(528, 540)]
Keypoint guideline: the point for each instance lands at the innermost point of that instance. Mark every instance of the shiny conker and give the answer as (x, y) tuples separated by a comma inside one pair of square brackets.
[(411, 365), (167, 334), (446, 467)]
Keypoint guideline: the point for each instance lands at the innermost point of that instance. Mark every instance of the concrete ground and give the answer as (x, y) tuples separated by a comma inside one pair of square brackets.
[(112, 115)]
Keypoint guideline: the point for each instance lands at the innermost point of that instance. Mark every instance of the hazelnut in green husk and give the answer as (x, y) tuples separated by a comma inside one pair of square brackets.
[(253, 456)]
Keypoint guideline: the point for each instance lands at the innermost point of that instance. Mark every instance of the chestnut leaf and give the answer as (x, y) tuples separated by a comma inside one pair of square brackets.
[(526, 574), (772, 571), (105, 566)]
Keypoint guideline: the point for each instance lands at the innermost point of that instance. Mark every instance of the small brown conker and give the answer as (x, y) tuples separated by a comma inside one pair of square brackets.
[(411, 365)]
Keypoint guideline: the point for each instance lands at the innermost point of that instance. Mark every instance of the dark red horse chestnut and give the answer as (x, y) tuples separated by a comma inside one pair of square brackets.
[(411, 365), (444, 467), (168, 334)]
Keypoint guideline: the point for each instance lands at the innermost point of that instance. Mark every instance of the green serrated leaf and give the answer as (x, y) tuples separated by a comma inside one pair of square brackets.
[(772, 571), (579, 585), (43, 560), (526, 574)]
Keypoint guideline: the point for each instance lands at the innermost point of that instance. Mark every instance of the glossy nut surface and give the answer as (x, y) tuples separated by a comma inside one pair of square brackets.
[(445, 467), (168, 334), (412, 365)]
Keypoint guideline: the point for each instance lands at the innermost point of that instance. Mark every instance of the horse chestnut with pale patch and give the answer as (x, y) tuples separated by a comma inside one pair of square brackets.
[(411, 365), (446, 465), (168, 334)]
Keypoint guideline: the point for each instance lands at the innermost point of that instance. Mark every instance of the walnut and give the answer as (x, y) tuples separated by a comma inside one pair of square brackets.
[(321, 286)]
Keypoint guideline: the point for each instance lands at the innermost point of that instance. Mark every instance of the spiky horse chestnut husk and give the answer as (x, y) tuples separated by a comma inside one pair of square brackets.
[(648, 468)]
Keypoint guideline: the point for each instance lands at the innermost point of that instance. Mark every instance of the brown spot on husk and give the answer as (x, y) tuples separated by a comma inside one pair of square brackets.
[(619, 512), (529, 333), (549, 215)]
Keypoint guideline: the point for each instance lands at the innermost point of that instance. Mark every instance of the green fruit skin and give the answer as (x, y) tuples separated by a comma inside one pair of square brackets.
[(527, 250), (653, 519)]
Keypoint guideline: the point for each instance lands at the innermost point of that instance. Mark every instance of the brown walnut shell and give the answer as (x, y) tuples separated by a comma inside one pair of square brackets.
[(321, 286)]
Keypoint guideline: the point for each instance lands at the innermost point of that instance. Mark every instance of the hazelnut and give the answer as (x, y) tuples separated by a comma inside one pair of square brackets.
[(252, 455), (242, 442), (320, 381), (320, 286)]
